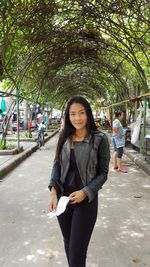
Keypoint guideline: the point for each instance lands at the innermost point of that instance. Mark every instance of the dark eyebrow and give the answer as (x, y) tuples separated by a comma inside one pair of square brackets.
[(79, 110)]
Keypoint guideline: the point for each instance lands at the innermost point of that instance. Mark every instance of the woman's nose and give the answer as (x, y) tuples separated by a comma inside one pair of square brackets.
[(77, 116)]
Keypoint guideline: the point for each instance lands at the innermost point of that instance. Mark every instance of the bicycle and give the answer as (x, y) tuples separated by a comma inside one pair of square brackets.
[(40, 138)]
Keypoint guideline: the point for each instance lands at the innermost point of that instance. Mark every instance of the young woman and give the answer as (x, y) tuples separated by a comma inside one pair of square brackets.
[(80, 169), (118, 141)]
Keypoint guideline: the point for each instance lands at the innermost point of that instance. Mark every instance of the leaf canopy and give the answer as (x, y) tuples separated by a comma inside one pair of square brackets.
[(53, 49)]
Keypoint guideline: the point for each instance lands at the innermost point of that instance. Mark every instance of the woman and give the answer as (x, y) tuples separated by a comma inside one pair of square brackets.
[(118, 141), (80, 169)]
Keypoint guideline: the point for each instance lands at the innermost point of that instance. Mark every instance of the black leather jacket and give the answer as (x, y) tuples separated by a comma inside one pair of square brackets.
[(92, 158)]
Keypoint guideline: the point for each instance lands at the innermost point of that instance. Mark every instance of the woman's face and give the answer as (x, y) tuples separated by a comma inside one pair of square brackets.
[(78, 116), (121, 117)]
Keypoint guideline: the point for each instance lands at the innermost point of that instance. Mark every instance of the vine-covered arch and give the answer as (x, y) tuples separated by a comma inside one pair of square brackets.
[(59, 48)]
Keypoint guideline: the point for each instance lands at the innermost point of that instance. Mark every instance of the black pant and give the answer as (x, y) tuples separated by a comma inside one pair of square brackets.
[(77, 223)]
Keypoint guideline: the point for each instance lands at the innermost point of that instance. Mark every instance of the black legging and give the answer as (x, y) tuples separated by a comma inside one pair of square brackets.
[(77, 223)]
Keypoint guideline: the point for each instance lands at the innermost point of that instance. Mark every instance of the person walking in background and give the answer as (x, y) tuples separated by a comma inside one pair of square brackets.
[(118, 141), (79, 170)]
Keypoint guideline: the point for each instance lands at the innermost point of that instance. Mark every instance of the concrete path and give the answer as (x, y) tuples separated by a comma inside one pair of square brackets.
[(9, 162), (29, 238)]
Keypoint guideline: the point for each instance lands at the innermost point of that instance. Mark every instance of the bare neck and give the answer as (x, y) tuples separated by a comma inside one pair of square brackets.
[(79, 135)]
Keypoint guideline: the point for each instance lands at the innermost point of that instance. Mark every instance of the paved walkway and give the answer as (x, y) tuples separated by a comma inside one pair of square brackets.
[(29, 238), (9, 162)]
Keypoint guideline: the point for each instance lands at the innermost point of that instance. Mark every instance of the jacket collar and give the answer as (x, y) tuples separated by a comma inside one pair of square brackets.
[(86, 140), (67, 144)]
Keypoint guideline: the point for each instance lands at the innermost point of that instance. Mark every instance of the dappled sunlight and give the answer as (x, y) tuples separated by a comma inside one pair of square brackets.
[(134, 170), (26, 208), (43, 255), (26, 243), (32, 258), (124, 234), (121, 235), (49, 253), (102, 222), (146, 186), (92, 264), (22, 175)]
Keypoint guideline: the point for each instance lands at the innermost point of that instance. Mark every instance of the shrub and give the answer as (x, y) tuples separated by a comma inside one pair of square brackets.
[(4, 145)]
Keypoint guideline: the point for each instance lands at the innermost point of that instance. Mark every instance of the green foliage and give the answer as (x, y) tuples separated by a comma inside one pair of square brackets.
[(26, 134), (52, 50), (4, 145)]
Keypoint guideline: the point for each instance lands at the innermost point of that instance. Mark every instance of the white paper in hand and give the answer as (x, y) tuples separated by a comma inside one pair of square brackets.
[(61, 206)]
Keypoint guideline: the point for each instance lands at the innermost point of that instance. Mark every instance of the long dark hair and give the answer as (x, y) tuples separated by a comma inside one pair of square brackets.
[(69, 129)]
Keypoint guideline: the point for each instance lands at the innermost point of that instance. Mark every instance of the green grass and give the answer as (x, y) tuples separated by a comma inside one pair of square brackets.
[(6, 145)]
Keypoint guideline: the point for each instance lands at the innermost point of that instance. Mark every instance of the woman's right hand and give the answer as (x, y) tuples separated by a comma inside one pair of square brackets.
[(53, 200)]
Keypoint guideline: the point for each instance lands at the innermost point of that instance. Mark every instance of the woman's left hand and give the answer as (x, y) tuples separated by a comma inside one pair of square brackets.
[(77, 197)]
